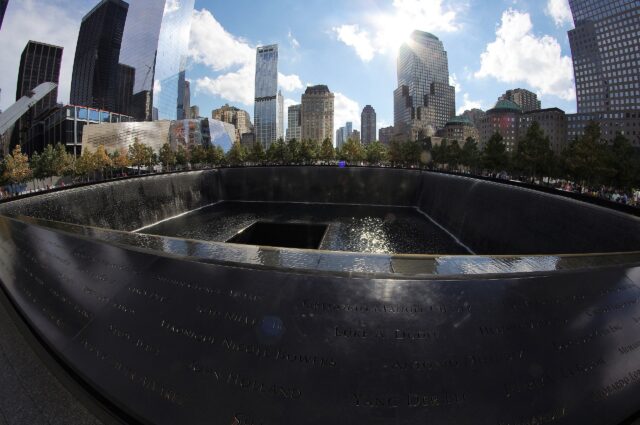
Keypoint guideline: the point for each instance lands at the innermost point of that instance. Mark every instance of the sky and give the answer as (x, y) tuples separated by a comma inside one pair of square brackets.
[(349, 45)]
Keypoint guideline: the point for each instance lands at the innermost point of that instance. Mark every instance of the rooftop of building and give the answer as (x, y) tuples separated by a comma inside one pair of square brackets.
[(319, 89), (423, 34), (504, 105), (120, 3), (537, 111), (460, 120)]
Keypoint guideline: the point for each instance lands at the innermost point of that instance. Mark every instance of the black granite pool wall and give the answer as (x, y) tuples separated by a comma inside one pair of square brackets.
[(349, 185), (123, 205), (495, 218)]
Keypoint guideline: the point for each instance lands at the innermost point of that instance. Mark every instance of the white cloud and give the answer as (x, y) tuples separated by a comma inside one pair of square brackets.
[(468, 104), (345, 110), (517, 55), (287, 103), (43, 21), (171, 6), (213, 46), (351, 35), (289, 83), (453, 81), (384, 33), (292, 40), (560, 12)]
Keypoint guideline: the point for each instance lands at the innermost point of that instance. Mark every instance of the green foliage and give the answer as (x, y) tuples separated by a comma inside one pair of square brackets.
[(237, 154), (585, 157), (215, 156), (395, 152), (412, 152), (353, 151), (309, 151), (376, 152), (453, 154), (534, 155), (624, 160), (257, 153), (276, 152), (292, 152), (182, 156), (470, 155), (16, 166), (167, 157), (494, 155), (327, 152), (138, 154), (197, 155)]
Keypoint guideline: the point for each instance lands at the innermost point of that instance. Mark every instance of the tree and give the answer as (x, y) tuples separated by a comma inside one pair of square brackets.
[(182, 156), (16, 166), (453, 155), (624, 160), (292, 152), (353, 151), (236, 154), (534, 155), (327, 152), (439, 152), (85, 164), (215, 156), (376, 152), (309, 151), (494, 154), (102, 159), (167, 157), (36, 165), (120, 159), (257, 153), (470, 155), (198, 155), (276, 152), (585, 157), (395, 152), (61, 162), (138, 154), (412, 152)]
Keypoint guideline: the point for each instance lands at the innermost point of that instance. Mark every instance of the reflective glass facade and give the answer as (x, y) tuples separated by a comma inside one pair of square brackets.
[(423, 68), (606, 61), (173, 45), (185, 133), (268, 108), (294, 124), (368, 124), (3, 8), (95, 76)]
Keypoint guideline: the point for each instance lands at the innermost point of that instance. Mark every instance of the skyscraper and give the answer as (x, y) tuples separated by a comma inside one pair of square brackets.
[(39, 63), (294, 127), (184, 98), (124, 95), (348, 130), (607, 71), (232, 115), (424, 100), (266, 112), (95, 76), (155, 43), (194, 112), (368, 124), (526, 99), (317, 113), (3, 8)]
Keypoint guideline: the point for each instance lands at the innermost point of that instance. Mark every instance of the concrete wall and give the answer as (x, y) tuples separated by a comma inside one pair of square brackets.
[(123, 205), (490, 218)]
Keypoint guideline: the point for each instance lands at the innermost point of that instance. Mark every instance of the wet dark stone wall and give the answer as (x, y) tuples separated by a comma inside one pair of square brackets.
[(493, 218), (123, 205), (490, 218)]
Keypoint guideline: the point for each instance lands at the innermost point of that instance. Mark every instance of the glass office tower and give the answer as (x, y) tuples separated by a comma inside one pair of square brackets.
[(155, 43), (604, 47), (94, 82), (268, 109), (424, 99), (3, 8), (173, 45)]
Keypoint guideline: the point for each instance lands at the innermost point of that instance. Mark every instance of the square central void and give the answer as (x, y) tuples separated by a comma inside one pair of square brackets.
[(283, 235)]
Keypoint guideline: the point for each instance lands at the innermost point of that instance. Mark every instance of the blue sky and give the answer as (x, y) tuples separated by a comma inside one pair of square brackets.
[(493, 45)]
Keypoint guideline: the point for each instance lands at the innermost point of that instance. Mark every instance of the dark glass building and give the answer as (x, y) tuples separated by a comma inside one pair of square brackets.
[(368, 125), (606, 58), (3, 8), (124, 99), (96, 68), (39, 63)]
